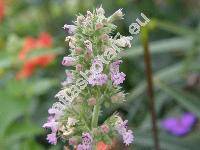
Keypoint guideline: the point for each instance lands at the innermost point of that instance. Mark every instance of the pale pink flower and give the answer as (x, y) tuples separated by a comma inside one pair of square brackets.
[(70, 29), (97, 79), (84, 147), (128, 137), (52, 124), (68, 61), (97, 66), (114, 67), (52, 138), (118, 78)]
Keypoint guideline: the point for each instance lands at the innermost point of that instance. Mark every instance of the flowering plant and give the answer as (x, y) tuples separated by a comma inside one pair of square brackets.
[(92, 50)]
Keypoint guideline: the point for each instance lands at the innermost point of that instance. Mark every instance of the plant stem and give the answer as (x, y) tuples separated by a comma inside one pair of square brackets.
[(147, 60), (95, 115)]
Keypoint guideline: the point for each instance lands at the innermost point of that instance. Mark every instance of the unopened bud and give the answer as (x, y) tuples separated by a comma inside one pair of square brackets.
[(98, 26), (104, 37), (79, 67), (104, 128), (116, 16), (100, 11), (92, 101), (73, 141), (118, 98), (78, 50)]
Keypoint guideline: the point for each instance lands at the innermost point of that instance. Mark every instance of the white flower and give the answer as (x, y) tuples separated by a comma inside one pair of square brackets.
[(71, 121), (70, 29), (124, 41)]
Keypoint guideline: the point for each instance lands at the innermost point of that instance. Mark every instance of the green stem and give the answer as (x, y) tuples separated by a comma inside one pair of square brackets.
[(95, 115), (95, 118)]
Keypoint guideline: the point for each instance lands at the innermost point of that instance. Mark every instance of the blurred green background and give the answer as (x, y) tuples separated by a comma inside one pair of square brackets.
[(28, 86)]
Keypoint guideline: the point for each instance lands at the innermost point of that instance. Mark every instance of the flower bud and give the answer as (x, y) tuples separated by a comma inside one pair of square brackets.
[(104, 128), (118, 98), (116, 16), (79, 67), (98, 26), (100, 11), (78, 50), (104, 37), (92, 101)]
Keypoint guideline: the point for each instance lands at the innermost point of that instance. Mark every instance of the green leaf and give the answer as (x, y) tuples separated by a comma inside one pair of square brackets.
[(41, 86), (187, 100), (164, 75), (11, 108), (25, 129), (162, 46), (167, 142), (177, 29)]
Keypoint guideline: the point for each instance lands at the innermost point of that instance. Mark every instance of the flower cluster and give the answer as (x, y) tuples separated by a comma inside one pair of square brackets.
[(93, 79), (121, 127), (30, 64)]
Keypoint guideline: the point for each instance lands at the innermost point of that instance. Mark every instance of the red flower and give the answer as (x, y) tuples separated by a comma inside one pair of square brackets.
[(2, 9), (102, 146), (43, 41), (30, 65)]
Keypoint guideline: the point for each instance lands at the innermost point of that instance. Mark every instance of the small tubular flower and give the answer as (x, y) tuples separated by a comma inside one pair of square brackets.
[(68, 61), (69, 29)]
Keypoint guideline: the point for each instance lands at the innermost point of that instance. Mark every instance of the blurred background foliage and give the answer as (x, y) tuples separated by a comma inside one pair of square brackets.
[(175, 49)]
